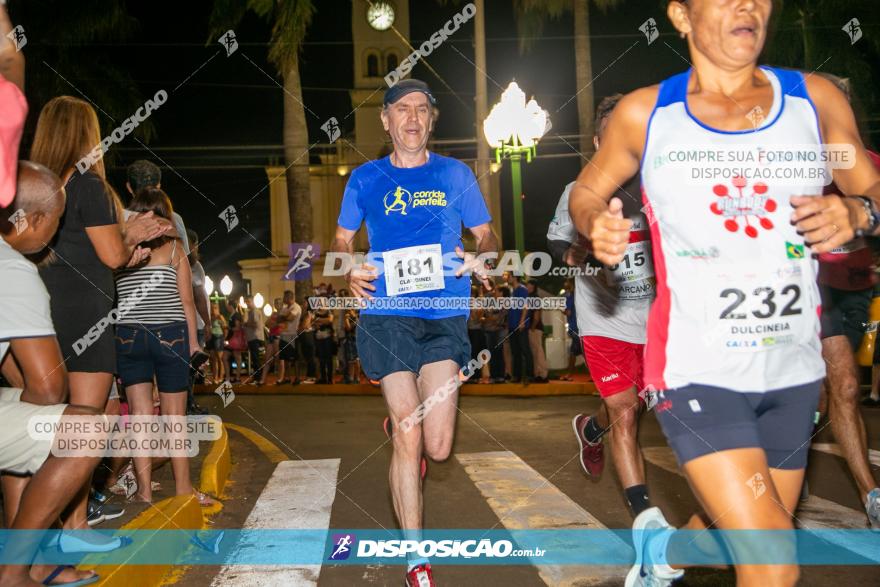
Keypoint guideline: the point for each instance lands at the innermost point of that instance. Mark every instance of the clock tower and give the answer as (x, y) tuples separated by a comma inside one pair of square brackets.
[(377, 27)]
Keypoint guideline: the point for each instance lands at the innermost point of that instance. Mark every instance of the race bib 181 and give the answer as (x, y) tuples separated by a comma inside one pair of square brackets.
[(413, 269)]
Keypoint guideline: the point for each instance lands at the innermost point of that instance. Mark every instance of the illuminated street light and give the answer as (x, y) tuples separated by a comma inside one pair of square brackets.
[(267, 310), (226, 285), (209, 285), (258, 300), (513, 128)]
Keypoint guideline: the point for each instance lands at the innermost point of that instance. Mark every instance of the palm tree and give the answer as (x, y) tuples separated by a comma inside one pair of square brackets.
[(74, 62), (289, 19), (530, 18)]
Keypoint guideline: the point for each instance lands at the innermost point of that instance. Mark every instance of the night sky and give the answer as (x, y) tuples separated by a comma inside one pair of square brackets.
[(235, 103)]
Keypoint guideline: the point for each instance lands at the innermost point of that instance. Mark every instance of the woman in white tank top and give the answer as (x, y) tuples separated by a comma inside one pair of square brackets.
[(732, 356)]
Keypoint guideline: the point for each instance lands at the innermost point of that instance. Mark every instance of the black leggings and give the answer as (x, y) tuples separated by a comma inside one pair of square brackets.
[(326, 350)]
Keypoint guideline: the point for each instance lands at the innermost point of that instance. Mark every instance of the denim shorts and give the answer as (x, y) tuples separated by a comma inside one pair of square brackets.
[(144, 352)]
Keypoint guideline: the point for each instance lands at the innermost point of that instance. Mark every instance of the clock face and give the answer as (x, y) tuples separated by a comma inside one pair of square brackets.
[(380, 15)]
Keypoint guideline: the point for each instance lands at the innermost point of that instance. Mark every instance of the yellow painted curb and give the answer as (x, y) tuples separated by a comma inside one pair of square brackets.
[(175, 513), (216, 466), (266, 446), (182, 512), (482, 389)]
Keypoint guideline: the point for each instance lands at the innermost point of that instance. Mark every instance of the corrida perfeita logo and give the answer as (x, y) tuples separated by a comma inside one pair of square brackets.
[(743, 207)]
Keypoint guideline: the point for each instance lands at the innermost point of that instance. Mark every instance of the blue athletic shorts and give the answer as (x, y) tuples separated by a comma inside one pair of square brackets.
[(699, 420), (387, 344)]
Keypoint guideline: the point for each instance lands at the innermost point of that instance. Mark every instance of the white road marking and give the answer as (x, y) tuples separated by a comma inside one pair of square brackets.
[(299, 495), (524, 500)]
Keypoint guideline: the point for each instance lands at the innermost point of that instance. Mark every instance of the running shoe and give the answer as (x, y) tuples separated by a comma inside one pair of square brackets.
[(872, 507), (386, 426), (645, 529), (100, 511), (95, 513), (111, 511), (420, 576), (592, 456)]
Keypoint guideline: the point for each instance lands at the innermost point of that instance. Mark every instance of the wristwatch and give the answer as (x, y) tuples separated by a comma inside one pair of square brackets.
[(873, 217)]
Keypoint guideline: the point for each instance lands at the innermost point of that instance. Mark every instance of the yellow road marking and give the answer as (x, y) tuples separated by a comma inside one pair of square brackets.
[(266, 446)]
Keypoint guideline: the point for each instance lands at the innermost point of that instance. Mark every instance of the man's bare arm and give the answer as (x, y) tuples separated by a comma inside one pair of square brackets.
[(42, 367), (11, 372)]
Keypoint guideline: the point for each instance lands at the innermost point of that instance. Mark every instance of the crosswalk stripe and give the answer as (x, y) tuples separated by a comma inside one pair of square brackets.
[(815, 513), (832, 448), (524, 500), (299, 495)]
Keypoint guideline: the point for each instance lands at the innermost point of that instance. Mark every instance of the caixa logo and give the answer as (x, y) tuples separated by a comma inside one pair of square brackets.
[(342, 547)]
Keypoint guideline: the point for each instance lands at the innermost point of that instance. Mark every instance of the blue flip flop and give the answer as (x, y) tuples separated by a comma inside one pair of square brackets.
[(60, 569)]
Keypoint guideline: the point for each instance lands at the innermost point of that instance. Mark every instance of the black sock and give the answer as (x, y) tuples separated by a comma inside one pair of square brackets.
[(637, 498), (592, 431)]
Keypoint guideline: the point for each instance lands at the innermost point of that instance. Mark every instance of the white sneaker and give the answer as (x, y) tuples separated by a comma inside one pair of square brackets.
[(649, 575), (872, 508)]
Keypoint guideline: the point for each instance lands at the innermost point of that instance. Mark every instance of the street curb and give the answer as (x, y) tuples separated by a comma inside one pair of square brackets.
[(180, 512), (480, 389), (216, 466), (175, 513)]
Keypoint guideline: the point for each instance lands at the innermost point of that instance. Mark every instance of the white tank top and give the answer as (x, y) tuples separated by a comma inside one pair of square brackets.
[(737, 304)]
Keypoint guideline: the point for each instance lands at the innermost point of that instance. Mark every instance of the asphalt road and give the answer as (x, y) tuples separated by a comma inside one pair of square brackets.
[(533, 433)]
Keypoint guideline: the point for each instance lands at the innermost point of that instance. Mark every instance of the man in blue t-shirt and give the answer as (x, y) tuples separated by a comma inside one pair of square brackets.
[(412, 333)]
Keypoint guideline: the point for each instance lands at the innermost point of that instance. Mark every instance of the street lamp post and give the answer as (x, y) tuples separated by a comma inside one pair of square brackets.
[(225, 290), (513, 128)]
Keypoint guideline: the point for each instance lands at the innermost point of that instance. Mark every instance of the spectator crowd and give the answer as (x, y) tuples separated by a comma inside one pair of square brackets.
[(315, 342), (105, 316)]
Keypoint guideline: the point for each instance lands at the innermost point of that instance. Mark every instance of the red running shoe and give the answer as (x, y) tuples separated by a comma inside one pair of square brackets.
[(420, 576), (592, 456), (386, 426)]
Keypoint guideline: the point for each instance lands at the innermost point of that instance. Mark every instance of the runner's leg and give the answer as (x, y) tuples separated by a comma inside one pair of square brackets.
[(623, 411), (843, 409), (723, 484), (402, 397), (440, 380)]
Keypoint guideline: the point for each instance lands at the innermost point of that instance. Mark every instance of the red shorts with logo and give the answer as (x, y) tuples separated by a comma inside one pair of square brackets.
[(614, 365)]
